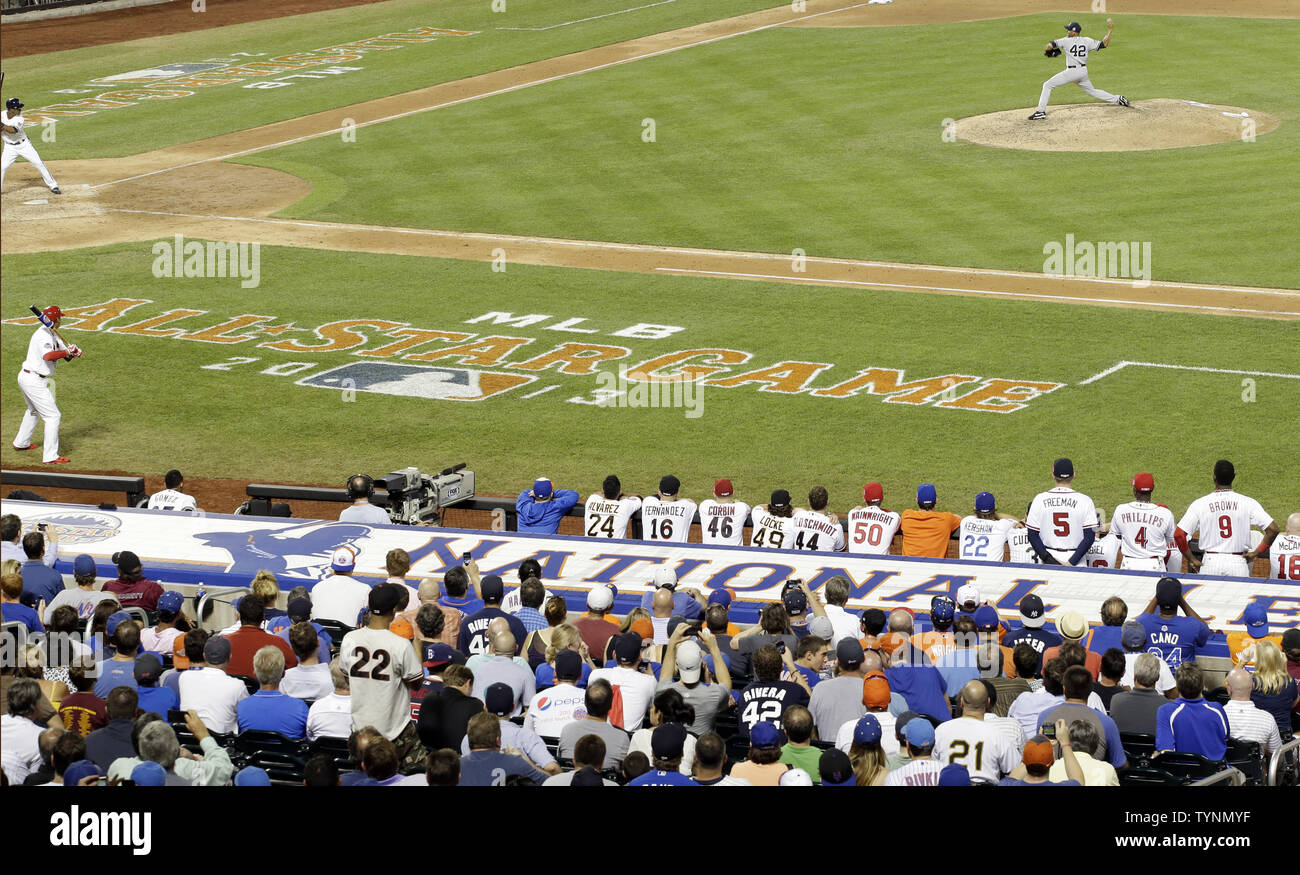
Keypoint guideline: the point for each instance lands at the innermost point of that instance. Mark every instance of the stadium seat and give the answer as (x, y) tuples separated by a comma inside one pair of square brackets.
[(336, 748), (140, 614), (336, 631), (251, 683), (1140, 746), (1188, 766), (726, 724), (1248, 758), (1219, 695), (253, 742), (1137, 776), (823, 744)]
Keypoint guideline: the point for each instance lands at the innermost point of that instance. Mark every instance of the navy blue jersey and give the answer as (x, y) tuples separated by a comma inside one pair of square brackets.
[(767, 701)]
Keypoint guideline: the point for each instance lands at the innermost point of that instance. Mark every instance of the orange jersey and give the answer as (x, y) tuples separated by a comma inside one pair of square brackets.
[(934, 643), (1241, 647), (925, 532)]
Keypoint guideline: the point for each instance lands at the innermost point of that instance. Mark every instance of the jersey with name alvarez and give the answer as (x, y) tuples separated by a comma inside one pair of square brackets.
[(767, 701), (1223, 519), (1076, 49), (814, 530), (872, 529), (982, 540), (1145, 529), (607, 517), (667, 520), (170, 499), (983, 748), (1059, 516), (1284, 557), (774, 532), (723, 522)]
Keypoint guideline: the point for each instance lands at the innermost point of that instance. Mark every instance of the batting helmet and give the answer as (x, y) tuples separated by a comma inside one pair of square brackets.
[(13, 103), (52, 313)]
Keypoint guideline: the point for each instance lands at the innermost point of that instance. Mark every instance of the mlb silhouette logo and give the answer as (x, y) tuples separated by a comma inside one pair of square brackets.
[(417, 381)]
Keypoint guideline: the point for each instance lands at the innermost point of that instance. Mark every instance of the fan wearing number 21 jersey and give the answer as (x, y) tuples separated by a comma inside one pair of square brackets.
[(609, 510), (665, 517), (722, 518), (983, 748), (871, 527)]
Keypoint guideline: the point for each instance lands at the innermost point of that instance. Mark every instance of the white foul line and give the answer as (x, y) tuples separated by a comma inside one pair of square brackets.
[(864, 283), (592, 18), (472, 97), (1126, 364)]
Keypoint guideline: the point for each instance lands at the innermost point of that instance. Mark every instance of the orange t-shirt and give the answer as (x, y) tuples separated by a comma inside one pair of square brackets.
[(1241, 646), (1092, 660), (925, 532)]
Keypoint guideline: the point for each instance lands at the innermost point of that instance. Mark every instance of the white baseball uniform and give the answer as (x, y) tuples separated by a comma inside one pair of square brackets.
[(1103, 552), (1146, 531), (1059, 516), (817, 531), (1075, 49), (1223, 519), (1018, 547), (35, 381), (17, 145), (170, 499), (773, 532), (983, 540), (872, 529), (723, 522), (607, 517), (983, 748), (1284, 557), (666, 520)]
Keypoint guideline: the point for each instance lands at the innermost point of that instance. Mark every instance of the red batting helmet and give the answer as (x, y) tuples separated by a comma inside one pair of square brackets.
[(52, 313)]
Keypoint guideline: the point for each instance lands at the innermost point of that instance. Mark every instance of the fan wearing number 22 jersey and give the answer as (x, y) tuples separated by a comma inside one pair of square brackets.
[(609, 510), (871, 527), (379, 664)]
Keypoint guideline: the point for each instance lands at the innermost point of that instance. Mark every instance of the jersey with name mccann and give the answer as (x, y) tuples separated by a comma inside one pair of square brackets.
[(1223, 519), (1145, 529), (723, 522), (817, 531), (666, 520), (872, 529), (1284, 557), (1076, 49), (983, 540), (1059, 516), (983, 748), (607, 517), (1103, 553), (378, 662), (767, 702), (773, 532), (170, 499)]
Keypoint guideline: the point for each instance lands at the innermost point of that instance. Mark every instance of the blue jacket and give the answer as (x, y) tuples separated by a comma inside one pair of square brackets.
[(1192, 726), (544, 517), (44, 583)]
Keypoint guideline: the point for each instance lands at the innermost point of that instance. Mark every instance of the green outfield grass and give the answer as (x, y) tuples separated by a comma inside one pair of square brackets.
[(146, 404), (829, 140), (232, 107)]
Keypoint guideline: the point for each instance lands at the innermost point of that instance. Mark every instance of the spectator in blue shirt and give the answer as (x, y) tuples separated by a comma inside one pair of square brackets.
[(486, 764), (269, 708), (455, 591), (14, 611), (1176, 637), (159, 700), (1189, 724), (542, 507), (39, 580), (120, 670), (531, 595), (667, 743)]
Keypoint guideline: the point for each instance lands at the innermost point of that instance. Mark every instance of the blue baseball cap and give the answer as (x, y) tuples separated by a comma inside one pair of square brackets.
[(986, 618), (954, 776), (79, 770), (252, 776), (115, 620), (149, 774), (1256, 619), (926, 494), (985, 502), (919, 732), (867, 731), (765, 735), (171, 602), (720, 597), (943, 607), (542, 487), (83, 565)]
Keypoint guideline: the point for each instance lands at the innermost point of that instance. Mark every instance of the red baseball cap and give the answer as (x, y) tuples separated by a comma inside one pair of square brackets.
[(1144, 483), (873, 492), (722, 489)]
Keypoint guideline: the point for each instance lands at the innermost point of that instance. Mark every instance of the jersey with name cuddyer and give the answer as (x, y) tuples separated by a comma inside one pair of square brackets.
[(666, 520), (771, 531), (607, 517), (723, 522), (1018, 547), (1059, 516), (872, 529), (1076, 48), (43, 341), (814, 530), (982, 540), (1145, 529), (170, 499), (1223, 519), (1284, 557)]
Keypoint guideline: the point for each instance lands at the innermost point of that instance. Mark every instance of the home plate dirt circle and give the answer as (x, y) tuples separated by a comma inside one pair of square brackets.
[(1162, 123)]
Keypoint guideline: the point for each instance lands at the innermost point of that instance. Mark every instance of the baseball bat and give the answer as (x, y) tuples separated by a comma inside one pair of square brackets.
[(50, 325)]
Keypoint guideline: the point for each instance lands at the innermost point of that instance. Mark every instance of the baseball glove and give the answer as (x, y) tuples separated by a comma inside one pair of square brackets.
[(1052, 52)]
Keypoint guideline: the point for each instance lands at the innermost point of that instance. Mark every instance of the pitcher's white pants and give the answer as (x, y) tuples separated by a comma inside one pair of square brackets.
[(1079, 76)]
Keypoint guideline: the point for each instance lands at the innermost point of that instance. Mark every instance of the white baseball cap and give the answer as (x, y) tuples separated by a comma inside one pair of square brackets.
[(967, 592), (796, 778), (665, 577), (343, 559), (688, 661), (599, 598)]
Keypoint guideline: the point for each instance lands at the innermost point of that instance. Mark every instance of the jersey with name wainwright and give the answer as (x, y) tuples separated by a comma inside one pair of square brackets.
[(872, 529)]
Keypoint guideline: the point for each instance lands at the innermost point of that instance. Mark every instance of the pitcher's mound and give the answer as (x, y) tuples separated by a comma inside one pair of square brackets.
[(1161, 123)]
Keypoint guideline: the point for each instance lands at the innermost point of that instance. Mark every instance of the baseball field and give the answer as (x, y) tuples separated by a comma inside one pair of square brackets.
[(412, 233)]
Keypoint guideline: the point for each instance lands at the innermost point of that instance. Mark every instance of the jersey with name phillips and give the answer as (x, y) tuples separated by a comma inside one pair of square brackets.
[(607, 517), (771, 531), (1284, 557), (1146, 529), (723, 522), (1223, 519), (814, 530), (1059, 516), (1076, 49), (982, 540), (872, 529), (666, 520)]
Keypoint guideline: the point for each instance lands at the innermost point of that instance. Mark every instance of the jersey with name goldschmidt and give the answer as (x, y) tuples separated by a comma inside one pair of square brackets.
[(666, 520), (1145, 529), (1059, 516), (983, 748), (607, 517), (982, 540), (1223, 519), (1284, 557), (1076, 49), (723, 522), (872, 529), (771, 531), (170, 499), (378, 663), (1103, 553), (814, 530)]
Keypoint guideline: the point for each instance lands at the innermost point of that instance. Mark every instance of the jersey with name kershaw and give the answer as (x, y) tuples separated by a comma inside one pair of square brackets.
[(814, 530), (1059, 516), (773, 532), (983, 748), (1284, 557), (723, 522), (982, 540), (607, 517), (377, 663), (1223, 519), (666, 520), (1145, 529), (872, 529)]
